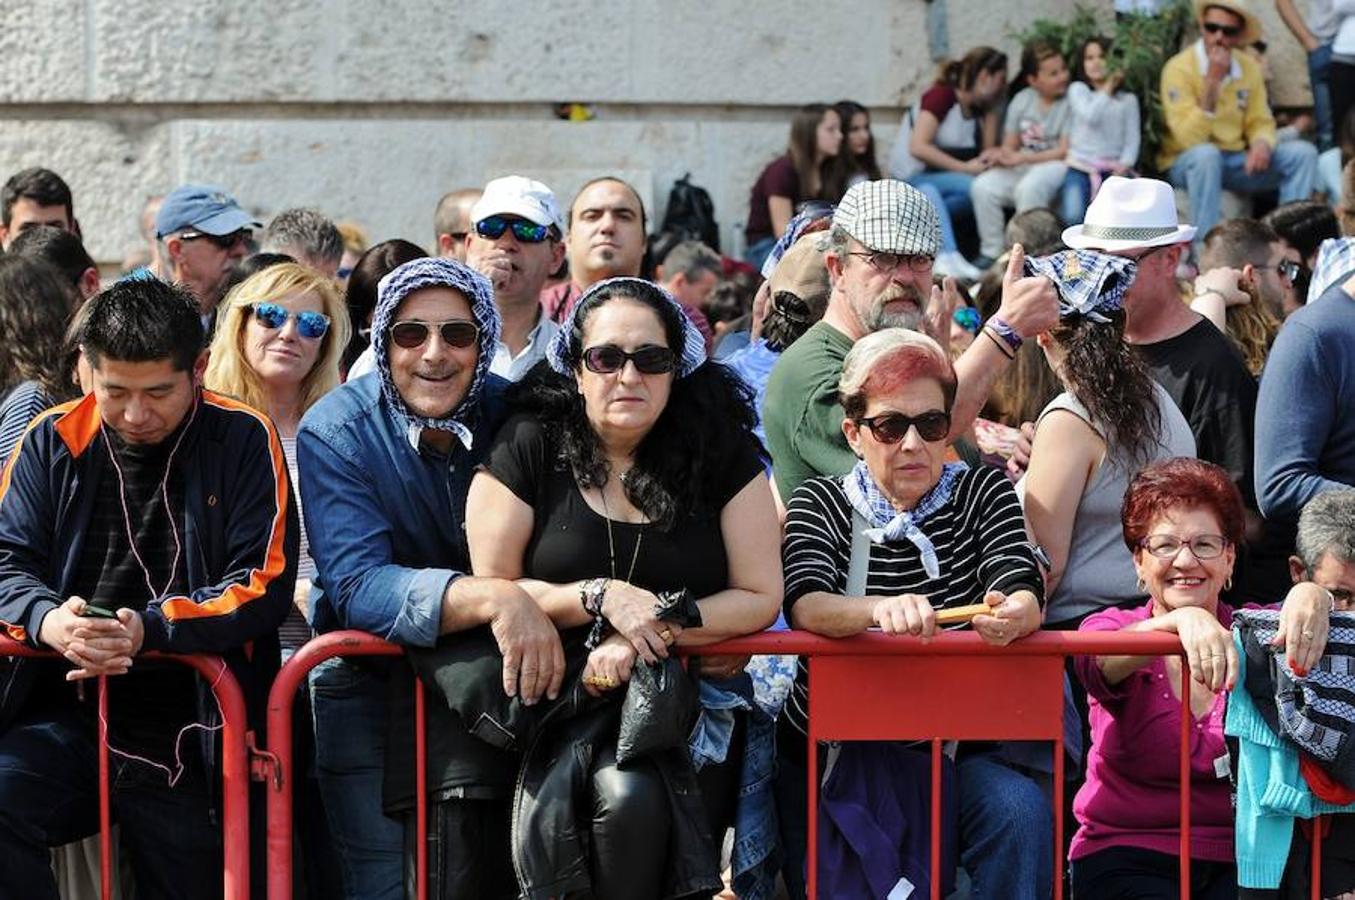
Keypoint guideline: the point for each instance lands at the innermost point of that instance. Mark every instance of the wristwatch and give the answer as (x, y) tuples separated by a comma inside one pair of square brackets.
[(1005, 331)]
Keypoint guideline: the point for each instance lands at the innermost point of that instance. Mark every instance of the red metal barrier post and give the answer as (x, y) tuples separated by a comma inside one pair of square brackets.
[(234, 766), (276, 760)]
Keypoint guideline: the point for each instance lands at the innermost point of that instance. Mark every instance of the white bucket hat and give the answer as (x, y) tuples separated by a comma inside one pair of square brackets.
[(1128, 214)]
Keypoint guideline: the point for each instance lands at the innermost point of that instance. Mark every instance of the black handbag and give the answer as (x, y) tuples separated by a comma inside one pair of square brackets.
[(661, 702)]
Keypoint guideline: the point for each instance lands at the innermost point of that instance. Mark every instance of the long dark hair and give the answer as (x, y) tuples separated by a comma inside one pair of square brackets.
[(376, 263), (35, 304), (707, 422), (963, 72), (1109, 378), (804, 146)]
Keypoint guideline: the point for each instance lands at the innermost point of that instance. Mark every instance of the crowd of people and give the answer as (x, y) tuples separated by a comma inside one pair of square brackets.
[(552, 453)]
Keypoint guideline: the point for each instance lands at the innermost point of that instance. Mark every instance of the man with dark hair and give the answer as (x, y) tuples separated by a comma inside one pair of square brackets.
[(386, 462), (203, 233), (452, 222), (307, 237), (606, 240), (690, 271), (35, 197), (1253, 256), (149, 515), (64, 250)]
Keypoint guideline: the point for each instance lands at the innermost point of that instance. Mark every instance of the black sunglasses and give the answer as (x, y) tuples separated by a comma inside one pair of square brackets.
[(493, 227), (412, 333), (650, 359), (1217, 28), (891, 428), (224, 241)]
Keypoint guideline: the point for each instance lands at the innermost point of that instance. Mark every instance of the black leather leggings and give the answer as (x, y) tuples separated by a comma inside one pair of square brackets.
[(631, 820)]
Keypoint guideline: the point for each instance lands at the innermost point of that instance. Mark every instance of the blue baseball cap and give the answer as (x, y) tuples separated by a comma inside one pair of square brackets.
[(201, 207)]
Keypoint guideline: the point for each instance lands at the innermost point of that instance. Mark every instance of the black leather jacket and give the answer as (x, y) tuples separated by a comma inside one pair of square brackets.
[(554, 743)]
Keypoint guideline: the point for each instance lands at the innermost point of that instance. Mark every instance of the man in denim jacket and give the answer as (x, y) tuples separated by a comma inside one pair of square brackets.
[(385, 464)]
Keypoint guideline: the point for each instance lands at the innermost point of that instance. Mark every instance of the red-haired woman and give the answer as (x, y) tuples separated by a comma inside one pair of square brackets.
[(1182, 522)]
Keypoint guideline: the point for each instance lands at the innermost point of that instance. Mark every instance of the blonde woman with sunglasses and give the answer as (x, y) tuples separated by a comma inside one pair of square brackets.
[(279, 337)]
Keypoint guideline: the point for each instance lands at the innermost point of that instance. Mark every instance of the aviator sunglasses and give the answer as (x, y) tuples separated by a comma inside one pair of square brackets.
[(412, 333), (650, 359), (891, 428), (308, 324), (492, 228)]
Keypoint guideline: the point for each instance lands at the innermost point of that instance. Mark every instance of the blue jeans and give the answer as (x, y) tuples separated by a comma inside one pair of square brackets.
[(949, 193), (349, 703), (49, 786), (756, 253), (1319, 63), (1074, 196), (1205, 171), (1006, 829)]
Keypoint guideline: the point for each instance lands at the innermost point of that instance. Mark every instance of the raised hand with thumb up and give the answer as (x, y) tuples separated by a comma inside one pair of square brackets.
[(1030, 303)]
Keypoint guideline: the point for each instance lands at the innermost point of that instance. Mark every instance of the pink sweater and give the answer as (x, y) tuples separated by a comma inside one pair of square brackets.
[(1132, 793)]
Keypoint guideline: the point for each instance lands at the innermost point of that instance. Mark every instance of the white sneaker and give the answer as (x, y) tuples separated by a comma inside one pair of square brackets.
[(954, 264)]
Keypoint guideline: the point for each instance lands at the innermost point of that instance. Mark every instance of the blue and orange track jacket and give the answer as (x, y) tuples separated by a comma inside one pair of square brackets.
[(240, 538)]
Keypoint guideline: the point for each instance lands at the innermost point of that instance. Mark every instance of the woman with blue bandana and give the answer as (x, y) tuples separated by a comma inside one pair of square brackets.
[(631, 481), (1110, 421), (900, 543)]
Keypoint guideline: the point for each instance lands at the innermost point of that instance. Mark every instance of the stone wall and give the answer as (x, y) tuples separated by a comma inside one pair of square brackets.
[(371, 111)]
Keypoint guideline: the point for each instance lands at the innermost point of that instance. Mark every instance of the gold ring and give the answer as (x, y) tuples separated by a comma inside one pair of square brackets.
[(600, 681), (666, 636)]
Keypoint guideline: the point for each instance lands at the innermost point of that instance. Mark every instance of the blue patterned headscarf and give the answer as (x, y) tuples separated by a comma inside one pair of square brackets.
[(1090, 284), (689, 357), (1335, 264), (400, 283)]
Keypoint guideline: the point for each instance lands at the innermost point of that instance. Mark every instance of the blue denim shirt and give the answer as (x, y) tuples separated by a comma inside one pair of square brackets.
[(756, 857), (385, 518)]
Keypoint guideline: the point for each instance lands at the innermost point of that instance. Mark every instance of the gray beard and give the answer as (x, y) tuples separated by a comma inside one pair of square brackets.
[(882, 318)]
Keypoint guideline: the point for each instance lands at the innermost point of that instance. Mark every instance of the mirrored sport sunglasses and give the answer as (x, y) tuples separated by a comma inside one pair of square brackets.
[(223, 241), (1288, 269), (891, 428), (412, 333), (493, 227), (309, 324), (651, 359)]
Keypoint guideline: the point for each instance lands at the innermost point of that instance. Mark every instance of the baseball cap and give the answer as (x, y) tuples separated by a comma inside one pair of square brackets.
[(516, 195), (889, 216), (202, 207)]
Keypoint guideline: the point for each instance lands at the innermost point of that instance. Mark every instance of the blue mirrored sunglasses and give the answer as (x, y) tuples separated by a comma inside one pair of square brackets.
[(308, 324), (493, 227)]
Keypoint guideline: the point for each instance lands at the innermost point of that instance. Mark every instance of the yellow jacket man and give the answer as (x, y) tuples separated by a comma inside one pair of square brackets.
[(1220, 131)]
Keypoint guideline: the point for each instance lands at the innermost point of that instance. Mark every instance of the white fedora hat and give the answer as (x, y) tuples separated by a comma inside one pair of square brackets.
[(1129, 213)]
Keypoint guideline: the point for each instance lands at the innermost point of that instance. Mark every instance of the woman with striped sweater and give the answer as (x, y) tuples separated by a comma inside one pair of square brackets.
[(935, 535)]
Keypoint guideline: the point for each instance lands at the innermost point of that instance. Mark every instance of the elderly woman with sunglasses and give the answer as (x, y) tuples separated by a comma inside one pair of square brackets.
[(277, 347), (632, 474), (934, 535), (1182, 521)]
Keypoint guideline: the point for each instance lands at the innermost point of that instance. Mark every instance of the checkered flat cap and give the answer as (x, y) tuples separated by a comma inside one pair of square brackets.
[(888, 216)]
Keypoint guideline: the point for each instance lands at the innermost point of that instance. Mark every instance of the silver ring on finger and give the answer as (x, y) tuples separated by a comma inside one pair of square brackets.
[(1306, 634)]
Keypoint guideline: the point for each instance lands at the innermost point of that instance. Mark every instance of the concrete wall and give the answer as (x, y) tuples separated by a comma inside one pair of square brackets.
[(371, 111)]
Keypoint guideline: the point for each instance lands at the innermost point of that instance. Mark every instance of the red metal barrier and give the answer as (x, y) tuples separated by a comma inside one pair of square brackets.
[(234, 767), (274, 764), (955, 690)]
